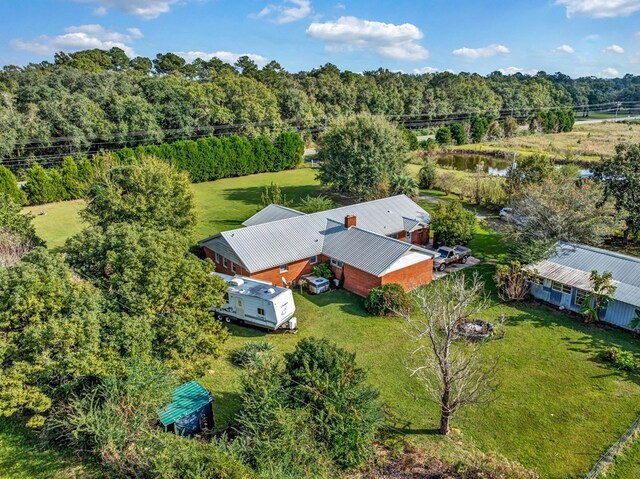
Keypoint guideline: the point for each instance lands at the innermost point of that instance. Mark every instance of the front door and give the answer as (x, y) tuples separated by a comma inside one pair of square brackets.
[(240, 308)]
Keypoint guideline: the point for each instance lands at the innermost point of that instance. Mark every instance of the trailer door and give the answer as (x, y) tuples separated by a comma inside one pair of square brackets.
[(240, 308)]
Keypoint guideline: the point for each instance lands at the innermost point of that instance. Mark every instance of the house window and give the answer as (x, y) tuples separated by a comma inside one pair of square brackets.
[(233, 267), (313, 260), (408, 236), (563, 288), (260, 312), (581, 296), (336, 263), (284, 268), (224, 261), (217, 257)]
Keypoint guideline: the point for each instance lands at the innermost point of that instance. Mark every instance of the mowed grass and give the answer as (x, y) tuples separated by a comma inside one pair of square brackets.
[(586, 143), (558, 408), (626, 466)]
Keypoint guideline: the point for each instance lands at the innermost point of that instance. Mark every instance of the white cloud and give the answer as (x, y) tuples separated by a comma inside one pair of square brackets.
[(514, 70), (386, 39), (483, 52), (425, 70), (600, 8), (592, 38), (146, 9), (614, 49), (227, 57), (564, 49), (609, 73), (80, 37), (286, 12)]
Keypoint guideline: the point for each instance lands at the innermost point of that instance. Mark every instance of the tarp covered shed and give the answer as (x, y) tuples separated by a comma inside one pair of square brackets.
[(190, 411)]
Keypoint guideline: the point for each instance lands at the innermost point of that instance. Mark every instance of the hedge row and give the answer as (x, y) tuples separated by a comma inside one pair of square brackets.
[(212, 158), (205, 159)]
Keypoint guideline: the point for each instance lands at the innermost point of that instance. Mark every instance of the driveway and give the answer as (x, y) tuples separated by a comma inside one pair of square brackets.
[(471, 261)]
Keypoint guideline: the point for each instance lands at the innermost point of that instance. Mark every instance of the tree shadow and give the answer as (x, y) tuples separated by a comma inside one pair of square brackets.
[(252, 195)]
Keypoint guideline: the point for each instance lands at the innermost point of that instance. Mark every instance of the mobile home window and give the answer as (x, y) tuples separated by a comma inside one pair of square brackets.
[(260, 311), (224, 261), (563, 288), (313, 260), (336, 263), (284, 268), (581, 296), (233, 267)]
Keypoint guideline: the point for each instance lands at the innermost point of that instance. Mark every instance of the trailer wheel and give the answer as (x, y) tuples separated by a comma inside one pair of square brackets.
[(227, 319), (219, 317), (441, 267), (464, 259)]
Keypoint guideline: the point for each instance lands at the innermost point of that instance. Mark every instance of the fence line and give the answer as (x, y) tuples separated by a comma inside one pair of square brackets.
[(609, 456)]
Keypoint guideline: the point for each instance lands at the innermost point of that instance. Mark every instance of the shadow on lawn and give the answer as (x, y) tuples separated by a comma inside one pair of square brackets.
[(253, 195)]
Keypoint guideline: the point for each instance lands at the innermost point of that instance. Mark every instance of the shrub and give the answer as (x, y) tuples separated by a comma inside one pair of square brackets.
[(38, 186), (427, 176), (452, 224), (313, 204), (429, 145), (323, 270), (404, 185), (272, 194), (446, 181), (412, 139), (252, 353), (458, 134), (443, 136), (623, 360), (9, 186), (511, 282), (387, 299), (479, 128)]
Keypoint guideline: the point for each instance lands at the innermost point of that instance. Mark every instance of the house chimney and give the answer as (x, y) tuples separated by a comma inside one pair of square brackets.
[(349, 221)]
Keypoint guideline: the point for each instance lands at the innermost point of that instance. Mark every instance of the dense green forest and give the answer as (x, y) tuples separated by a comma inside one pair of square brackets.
[(94, 99)]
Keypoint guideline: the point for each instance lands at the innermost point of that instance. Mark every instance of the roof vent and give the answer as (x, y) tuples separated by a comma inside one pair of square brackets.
[(236, 282), (271, 291)]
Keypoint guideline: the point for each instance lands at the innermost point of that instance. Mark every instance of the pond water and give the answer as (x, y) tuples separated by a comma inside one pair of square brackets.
[(488, 164)]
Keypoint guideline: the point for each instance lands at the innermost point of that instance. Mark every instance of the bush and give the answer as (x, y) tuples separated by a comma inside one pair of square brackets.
[(323, 270), (387, 299), (452, 224), (446, 181), (313, 204), (412, 139), (623, 360), (38, 186), (404, 185), (9, 186), (479, 128), (458, 134), (252, 353), (427, 176), (511, 282), (443, 136), (429, 145)]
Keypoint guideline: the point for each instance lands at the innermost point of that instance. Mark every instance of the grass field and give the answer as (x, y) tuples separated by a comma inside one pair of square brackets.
[(586, 143), (626, 466), (558, 407)]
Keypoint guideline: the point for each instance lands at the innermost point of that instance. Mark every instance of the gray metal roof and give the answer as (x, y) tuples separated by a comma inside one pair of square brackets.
[(266, 245), (363, 249), (272, 213), (572, 264)]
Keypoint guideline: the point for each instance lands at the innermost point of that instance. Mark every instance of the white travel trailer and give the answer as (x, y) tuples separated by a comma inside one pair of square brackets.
[(258, 303)]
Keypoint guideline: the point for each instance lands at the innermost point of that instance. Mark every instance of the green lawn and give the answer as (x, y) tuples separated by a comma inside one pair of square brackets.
[(627, 466), (557, 409)]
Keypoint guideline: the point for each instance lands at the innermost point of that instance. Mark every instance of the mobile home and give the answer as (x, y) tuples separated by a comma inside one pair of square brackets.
[(258, 303)]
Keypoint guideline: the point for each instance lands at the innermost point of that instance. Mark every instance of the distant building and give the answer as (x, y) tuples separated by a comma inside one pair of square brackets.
[(562, 279), (369, 244)]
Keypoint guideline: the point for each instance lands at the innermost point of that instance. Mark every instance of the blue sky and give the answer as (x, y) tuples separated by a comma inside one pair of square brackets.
[(577, 37)]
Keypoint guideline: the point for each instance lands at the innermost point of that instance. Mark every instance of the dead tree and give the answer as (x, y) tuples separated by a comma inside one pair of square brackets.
[(451, 370)]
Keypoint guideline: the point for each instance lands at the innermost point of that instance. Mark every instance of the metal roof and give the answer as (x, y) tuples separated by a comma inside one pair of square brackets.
[(272, 213), (572, 264), (362, 249), (187, 399), (267, 245)]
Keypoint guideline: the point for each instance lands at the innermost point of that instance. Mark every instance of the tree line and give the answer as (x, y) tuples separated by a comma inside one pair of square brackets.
[(94, 99), (205, 159)]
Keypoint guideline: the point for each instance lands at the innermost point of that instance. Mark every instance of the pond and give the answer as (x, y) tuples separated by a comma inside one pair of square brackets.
[(488, 164)]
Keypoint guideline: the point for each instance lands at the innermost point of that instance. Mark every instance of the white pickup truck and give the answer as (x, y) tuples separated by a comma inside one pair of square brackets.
[(446, 256)]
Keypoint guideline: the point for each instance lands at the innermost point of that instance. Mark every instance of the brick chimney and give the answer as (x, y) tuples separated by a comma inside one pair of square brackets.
[(349, 221)]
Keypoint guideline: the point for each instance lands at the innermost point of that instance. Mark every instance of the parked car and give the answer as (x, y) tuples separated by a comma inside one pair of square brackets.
[(446, 255), (505, 213)]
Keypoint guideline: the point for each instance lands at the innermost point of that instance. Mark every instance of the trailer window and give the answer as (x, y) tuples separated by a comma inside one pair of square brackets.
[(313, 260), (284, 267), (563, 288), (260, 312)]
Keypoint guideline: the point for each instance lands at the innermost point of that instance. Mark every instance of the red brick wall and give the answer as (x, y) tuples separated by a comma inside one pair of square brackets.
[(412, 276), (420, 237), (358, 281)]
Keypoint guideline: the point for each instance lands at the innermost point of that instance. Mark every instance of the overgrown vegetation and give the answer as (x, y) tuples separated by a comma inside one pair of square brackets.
[(386, 300)]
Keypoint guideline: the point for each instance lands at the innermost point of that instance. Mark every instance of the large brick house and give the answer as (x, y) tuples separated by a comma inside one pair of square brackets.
[(370, 244)]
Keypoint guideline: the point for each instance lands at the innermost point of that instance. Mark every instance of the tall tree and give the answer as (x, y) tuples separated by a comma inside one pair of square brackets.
[(149, 193), (452, 224), (361, 155), (453, 372), (9, 186), (620, 176)]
